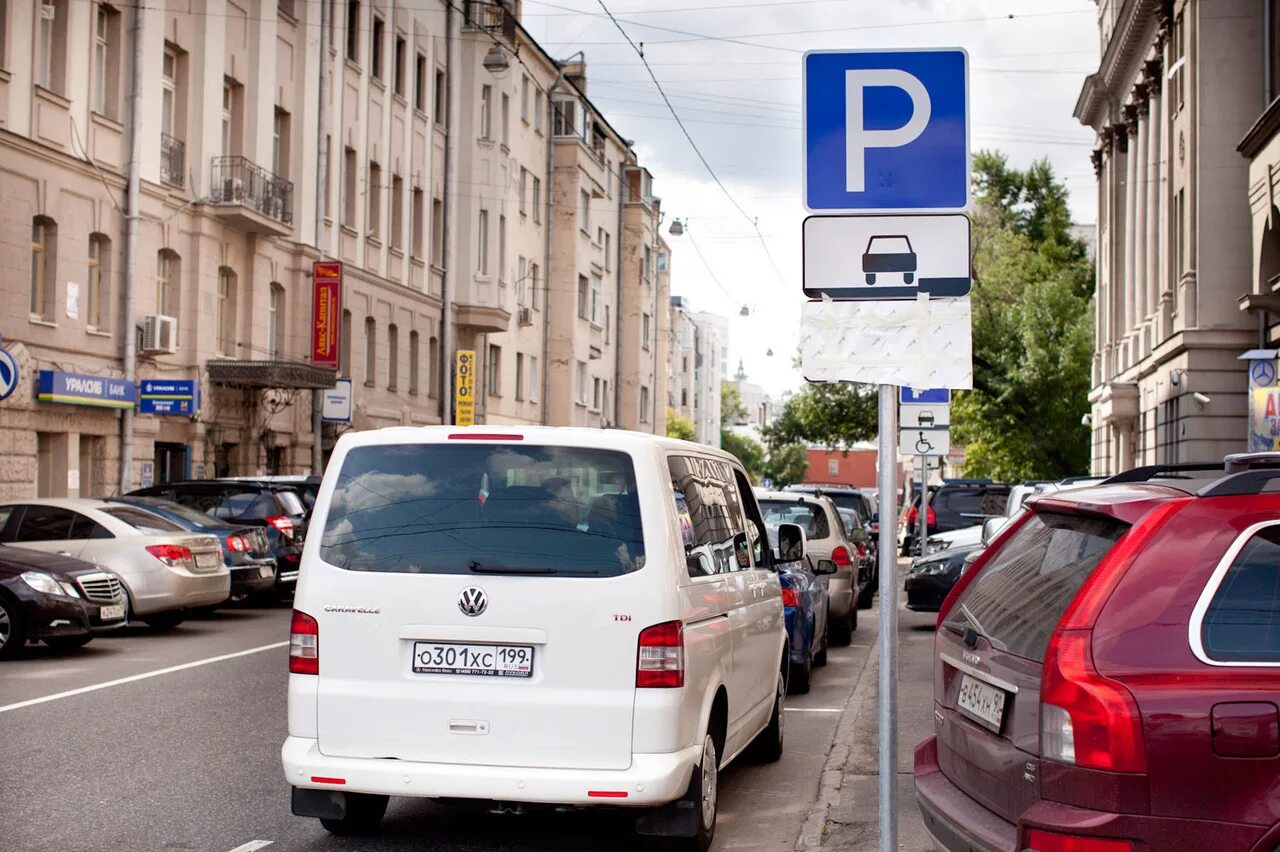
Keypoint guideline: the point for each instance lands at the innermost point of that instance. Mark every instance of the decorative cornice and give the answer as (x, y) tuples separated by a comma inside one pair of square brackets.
[(1130, 38), (1262, 132)]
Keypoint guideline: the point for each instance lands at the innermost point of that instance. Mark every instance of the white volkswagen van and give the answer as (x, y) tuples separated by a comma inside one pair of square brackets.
[(533, 615)]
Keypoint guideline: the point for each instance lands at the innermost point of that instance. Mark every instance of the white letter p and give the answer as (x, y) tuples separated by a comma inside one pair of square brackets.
[(858, 138)]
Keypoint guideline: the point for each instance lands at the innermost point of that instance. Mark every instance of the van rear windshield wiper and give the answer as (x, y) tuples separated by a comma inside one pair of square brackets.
[(477, 568)]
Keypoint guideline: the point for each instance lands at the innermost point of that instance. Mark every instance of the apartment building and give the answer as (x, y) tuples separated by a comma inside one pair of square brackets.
[(696, 365), (1178, 87), (438, 127), (645, 292)]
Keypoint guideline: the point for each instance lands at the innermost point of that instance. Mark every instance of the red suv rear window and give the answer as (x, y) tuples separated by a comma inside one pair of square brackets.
[(1021, 594)]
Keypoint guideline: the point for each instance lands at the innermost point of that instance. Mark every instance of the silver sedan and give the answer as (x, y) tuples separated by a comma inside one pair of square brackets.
[(165, 569)]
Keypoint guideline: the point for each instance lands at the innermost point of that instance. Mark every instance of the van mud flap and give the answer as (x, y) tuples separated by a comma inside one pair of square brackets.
[(677, 819), (323, 804)]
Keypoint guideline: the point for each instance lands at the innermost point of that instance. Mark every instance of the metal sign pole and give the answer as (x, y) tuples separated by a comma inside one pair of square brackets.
[(924, 502), (888, 619)]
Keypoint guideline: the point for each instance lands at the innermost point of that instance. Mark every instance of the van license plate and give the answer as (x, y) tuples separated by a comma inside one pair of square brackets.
[(981, 702), (455, 658)]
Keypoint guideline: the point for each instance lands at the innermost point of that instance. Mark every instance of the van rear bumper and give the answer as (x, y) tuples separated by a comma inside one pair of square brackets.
[(652, 779)]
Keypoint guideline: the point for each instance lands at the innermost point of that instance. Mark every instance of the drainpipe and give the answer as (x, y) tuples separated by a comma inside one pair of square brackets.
[(453, 29), (546, 233), (617, 301), (132, 215), (322, 192)]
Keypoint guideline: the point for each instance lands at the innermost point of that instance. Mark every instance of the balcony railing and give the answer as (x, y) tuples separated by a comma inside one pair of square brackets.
[(492, 15), (173, 160), (241, 182)]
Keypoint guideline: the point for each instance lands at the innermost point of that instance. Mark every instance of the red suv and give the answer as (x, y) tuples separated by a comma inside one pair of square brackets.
[(1107, 673)]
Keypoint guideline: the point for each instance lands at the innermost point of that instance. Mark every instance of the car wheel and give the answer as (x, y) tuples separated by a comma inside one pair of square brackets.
[(871, 278), (67, 643), (853, 621), (161, 621), (798, 677), (839, 632), (767, 746), (820, 658), (908, 277), (13, 636), (364, 815), (867, 595)]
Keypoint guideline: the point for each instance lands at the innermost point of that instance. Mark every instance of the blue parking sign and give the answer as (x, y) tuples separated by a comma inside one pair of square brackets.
[(886, 130)]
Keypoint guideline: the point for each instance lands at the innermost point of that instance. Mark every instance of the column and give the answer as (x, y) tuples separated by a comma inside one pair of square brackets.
[(1102, 164), (1138, 286), (1155, 210), (1117, 199), (1124, 292)]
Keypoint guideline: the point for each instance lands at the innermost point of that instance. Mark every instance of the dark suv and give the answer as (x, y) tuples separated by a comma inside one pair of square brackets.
[(954, 505), (277, 509), (1106, 673)]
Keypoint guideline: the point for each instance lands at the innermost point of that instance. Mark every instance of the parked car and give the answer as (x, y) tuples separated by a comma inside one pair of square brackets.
[(165, 570), (804, 601), (931, 578), (818, 517), (306, 485), (844, 498), (868, 563), (277, 509), (953, 505), (245, 550), (564, 616), (1105, 673), (55, 599)]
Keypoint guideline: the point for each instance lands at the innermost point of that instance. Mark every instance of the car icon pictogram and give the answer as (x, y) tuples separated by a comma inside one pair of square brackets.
[(889, 253)]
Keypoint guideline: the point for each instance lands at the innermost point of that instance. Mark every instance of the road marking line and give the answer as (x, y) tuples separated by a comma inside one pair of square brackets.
[(253, 846), (807, 709), (143, 676)]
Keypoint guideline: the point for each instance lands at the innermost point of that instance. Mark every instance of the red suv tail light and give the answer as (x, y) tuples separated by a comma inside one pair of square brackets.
[(840, 556), (660, 658), (304, 644), (283, 523), (1039, 840), (790, 598), (1086, 719), (173, 555)]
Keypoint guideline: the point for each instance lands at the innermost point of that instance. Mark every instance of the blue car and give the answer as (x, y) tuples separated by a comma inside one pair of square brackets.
[(804, 601)]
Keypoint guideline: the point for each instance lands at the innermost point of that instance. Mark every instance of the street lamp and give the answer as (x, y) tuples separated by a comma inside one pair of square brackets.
[(676, 229), (496, 61)]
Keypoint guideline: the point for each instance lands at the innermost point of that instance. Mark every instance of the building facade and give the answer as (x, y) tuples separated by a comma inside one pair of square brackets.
[(447, 196), (696, 365), (1177, 88)]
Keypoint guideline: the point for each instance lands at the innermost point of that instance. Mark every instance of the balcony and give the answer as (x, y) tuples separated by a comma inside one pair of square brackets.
[(173, 161), (248, 196), (494, 16)]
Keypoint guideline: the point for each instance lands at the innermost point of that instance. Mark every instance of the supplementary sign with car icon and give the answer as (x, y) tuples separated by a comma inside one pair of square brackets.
[(886, 257)]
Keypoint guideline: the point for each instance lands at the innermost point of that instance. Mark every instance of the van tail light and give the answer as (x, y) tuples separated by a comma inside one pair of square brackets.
[(840, 556), (862, 550), (1039, 840), (238, 543), (283, 523), (660, 659), (966, 577), (304, 644), (913, 517), (173, 555), (790, 598)]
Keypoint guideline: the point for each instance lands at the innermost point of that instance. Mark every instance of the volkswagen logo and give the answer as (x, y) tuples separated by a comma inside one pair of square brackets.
[(473, 601)]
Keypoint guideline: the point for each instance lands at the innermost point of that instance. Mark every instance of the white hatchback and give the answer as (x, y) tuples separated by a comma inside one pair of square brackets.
[(533, 615)]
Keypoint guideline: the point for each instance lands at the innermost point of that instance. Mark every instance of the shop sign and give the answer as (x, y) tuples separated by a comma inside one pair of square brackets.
[(326, 313), (336, 403), (169, 396), (9, 374), (464, 399), (81, 389)]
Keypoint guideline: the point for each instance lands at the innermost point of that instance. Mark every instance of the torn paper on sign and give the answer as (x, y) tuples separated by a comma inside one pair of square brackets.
[(925, 343)]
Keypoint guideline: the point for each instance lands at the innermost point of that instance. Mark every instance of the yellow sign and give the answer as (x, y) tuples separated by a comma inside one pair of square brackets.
[(464, 388)]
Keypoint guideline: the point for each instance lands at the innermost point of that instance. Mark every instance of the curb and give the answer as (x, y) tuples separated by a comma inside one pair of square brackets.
[(815, 824)]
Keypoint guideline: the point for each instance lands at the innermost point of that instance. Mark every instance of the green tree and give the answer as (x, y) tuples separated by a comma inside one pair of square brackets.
[(748, 451), (787, 464), (732, 410), (833, 415), (1032, 329), (680, 427)]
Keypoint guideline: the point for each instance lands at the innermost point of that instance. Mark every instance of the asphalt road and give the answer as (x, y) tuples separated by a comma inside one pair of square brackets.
[(179, 750)]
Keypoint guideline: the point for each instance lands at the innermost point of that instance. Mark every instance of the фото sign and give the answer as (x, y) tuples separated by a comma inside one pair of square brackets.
[(886, 130), (326, 313), (465, 385), (80, 389), (169, 396)]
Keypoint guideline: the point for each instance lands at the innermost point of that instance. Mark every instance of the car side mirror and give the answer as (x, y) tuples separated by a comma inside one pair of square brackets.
[(990, 529), (825, 566), (792, 544)]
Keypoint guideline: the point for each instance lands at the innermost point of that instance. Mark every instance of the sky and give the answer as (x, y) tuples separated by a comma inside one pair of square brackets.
[(740, 101)]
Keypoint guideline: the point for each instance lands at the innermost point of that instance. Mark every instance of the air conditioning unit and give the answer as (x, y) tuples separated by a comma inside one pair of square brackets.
[(159, 334), (525, 316)]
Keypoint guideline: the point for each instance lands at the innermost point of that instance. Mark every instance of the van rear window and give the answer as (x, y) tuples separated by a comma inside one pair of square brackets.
[(485, 509), (1023, 592)]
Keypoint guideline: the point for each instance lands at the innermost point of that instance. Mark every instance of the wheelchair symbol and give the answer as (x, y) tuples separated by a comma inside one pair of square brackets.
[(923, 446)]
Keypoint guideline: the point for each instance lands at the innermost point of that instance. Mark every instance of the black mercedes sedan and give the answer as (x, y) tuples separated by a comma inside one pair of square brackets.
[(61, 601)]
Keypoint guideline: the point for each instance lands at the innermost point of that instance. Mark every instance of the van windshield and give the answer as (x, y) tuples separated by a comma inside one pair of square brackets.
[(485, 509)]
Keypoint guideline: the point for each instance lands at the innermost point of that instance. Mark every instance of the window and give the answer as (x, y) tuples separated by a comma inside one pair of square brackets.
[(810, 516), (397, 69), (419, 211), (375, 55), (166, 275), (647, 269), (285, 7), (596, 401), (482, 245), (374, 192), (519, 377), (353, 30), (644, 404), (413, 363), (607, 324), (370, 351), (228, 116), (1242, 623), (524, 99), (280, 144), (584, 296), (329, 188), (506, 119), (393, 356), (433, 368), (608, 259), (537, 110), (43, 252), (584, 212), (275, 322), (97, 295), (397, 212), (580, 383), (565, 118), (51, 61), (442, 118), (712, 521), (533, 378), (533, 285), (420, 83), (226, 313), (502, 249), (524, 186), (349, 187), (645, 331), (527, 508), (684, 397), (833, 467), (486, 96), (1179, 240), (522, 288), (106, 61), (171, 69), (1025, 589), (437, 232), (344, 346), (46, 523), (493, 371), (537, 200), (597, 299), (608, 178)]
